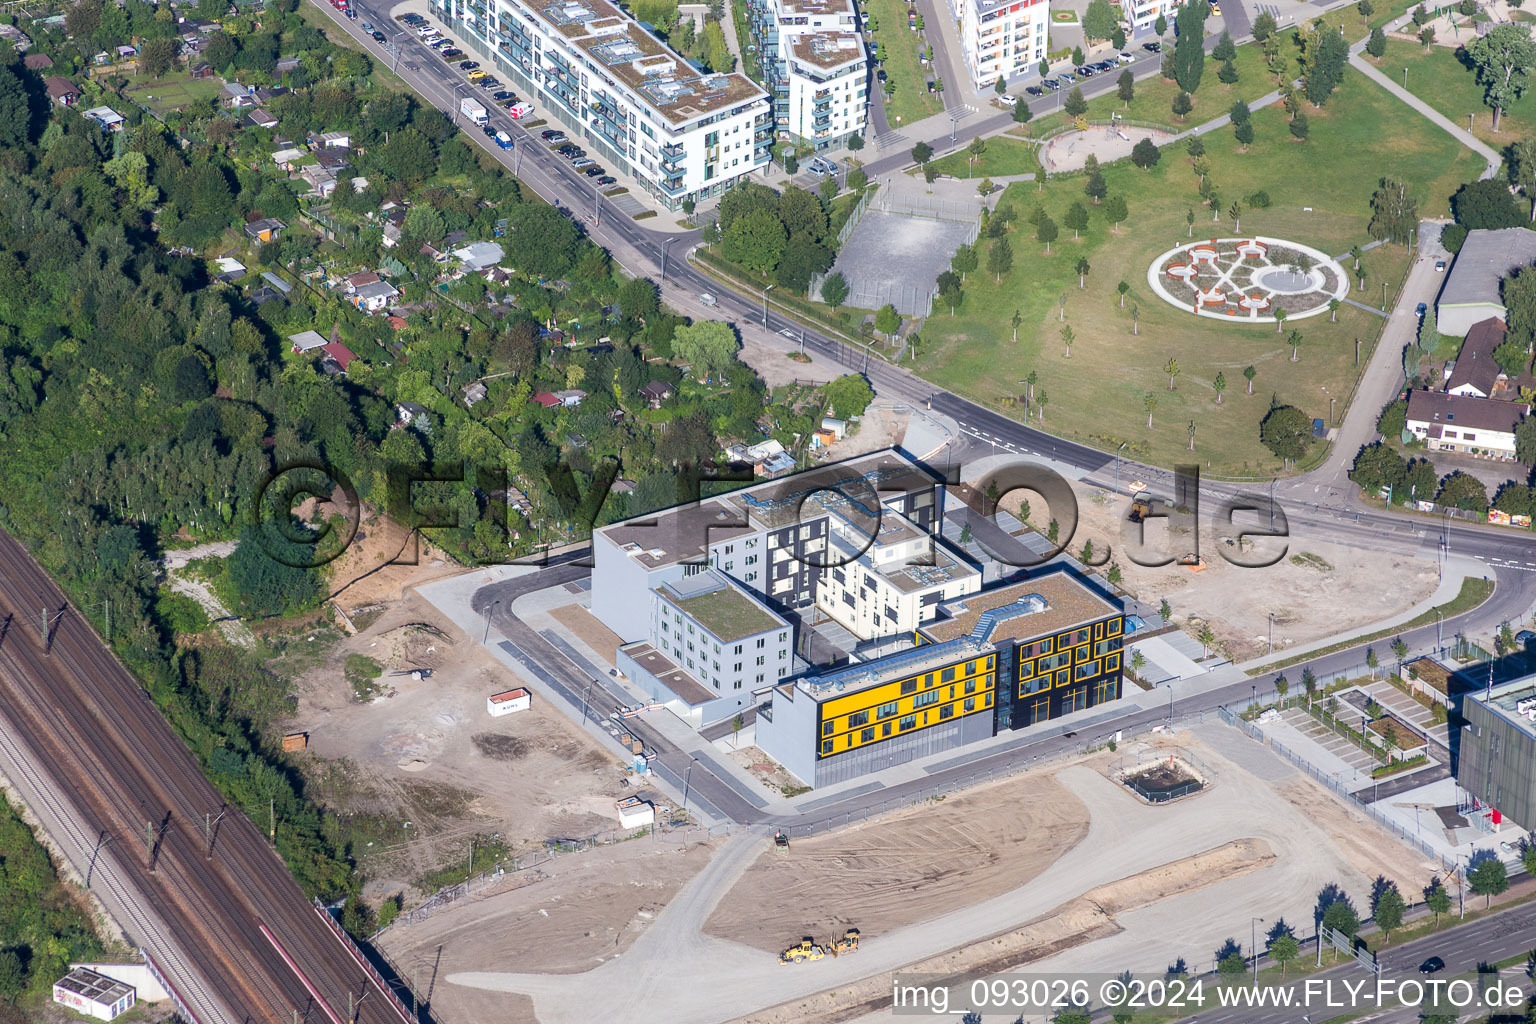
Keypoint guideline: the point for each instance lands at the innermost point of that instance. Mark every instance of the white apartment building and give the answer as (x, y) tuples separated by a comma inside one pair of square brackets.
[(1001, 38), (891, 583), (647, 112), (1459, 423), (1144, 13), (816, 67)]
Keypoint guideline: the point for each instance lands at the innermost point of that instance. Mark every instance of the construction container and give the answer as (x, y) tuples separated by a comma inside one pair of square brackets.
[(508, 702), (295, 741), (635, 812)]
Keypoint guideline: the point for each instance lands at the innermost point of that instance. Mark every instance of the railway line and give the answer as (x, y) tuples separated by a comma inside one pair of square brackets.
[(248, 942)]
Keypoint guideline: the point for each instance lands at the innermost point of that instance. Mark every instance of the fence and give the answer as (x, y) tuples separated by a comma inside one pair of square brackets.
[(1332, 783), (908, 300), (854, 216)]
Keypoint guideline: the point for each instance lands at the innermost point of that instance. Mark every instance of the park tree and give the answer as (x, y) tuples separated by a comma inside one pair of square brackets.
[(1394, 213), (965, 260), (1125, 87), (1294, 340), (1046, 231), (1171, 368), (887, 320), (949, 286), (1077, 55), (1224, 49), (1436, 899), (1160, 26), (803, 260), (1388, 911), (1244, 134), (1098, 20), (1335, 910), (1094, 187), (1230, 961), (1248, 374), (1240, 112), (1219, 385), (1000, 258), (1488, 878), (1300, 127), (1227, 74), (1075, 105), (1195, 147), (1502, 60), (1287, 432), (1525, 440), (157, 55), (1021, 112), (1486, 205), (1464, 491), (1145, 154), (1376, 45), (1076, 218), (834, 289), (1188, 49), (1324, 53), (1149, 403), (1377, 466), (1264, 26), (1182, 105), (1283, 949), (1115, 211), (1068, 336), (922, 153), (1123, 287), (1426, 37), (1519, 294)]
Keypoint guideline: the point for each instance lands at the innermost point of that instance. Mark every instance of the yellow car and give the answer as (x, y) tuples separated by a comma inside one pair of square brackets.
[(475, 76)]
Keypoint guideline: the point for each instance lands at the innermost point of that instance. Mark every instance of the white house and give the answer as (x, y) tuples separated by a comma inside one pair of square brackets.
[(109, 119), (373, 298), (307, 341), (1472, 291), (1459, 423), (1001, 38), (95, 995), (815, 66)]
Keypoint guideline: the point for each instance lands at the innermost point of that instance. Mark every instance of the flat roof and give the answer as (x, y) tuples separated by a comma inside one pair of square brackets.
[(688, 689), (1068, 602), (864, 674), (720, 607), (793, 7), (827, 50), (939, 565), (1486, 257), (98, 988), (616, 43), (1514, 701), (680, 533)]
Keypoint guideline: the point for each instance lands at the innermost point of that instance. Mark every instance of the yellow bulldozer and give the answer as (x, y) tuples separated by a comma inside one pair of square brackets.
[(849, 943), (805, 949)]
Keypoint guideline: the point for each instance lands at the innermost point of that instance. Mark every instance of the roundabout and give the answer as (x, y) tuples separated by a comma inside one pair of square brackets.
[(1248, 279)]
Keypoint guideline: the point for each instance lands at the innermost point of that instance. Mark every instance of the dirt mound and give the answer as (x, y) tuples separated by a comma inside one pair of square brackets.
[(499, 747), (1229, 860), (906, 868)]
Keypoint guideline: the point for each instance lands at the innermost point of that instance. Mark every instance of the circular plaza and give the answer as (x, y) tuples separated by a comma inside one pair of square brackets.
[(1248, 279)]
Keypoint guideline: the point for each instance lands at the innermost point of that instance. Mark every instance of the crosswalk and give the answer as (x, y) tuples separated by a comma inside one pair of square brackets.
[(889, 139)]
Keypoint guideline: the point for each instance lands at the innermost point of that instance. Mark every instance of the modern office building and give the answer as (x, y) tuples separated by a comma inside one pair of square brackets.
[(1496, 759), (710, 646), (774, 538), (644, 110), (1006, 658), (1001, 38), (816, 68)]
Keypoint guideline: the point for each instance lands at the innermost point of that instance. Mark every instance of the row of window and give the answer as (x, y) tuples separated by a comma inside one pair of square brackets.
[(907, 723), (1069, 676), (837, 724)]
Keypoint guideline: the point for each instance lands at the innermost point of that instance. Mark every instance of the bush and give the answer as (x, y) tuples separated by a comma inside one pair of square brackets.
[(1258, 201)]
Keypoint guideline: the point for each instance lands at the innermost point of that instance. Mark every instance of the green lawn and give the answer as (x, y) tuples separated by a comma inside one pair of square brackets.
[(1154, 96), (1004, 155), (1445, 83), (171, 92), (1097, 395), (911, 101)]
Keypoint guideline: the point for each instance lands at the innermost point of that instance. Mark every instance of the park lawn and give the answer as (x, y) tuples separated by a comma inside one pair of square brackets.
[(1096, 396), (1440, 79), (911, 101), (1153, 102), (1355, 27), (1004, 155)]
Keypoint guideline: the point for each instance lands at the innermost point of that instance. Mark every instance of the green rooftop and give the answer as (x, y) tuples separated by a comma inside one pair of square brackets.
[(728, 614)]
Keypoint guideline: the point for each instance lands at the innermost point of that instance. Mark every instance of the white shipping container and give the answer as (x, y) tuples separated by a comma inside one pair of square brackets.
[(508, 701)]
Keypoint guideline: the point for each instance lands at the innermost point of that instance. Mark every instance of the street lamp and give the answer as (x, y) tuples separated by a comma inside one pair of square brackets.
[(1117, 459), (766, 290), (1439, 621), (688, 778), (663, 247), (1271, 632), (488, 610), (1253, 926)]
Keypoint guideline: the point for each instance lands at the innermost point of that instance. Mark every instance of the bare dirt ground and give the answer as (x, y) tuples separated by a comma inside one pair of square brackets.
[(772, 774), (363, 577), (426, 751), (1315, 591), (580, 621), (904, 868), (883, 425), (589, 907), (775, 366)]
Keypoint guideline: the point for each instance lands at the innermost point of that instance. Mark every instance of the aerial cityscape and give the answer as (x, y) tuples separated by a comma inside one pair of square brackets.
[(761, 511)]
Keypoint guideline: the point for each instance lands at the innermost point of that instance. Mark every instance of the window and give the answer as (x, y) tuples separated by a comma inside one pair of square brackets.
[(908, 686), (970, 704), (857, 719), (885, 730), (1080, 636), (761, 659), (1063, 677), (910, 722), (948, 674), (886, 710), (738, 648), (970, 668), (760, 643), (947, 711), (970, 686), (1086, 670), (926, 698), (1115, 627), (866, 735), (1026, 669), (826, 728), (826, 746), (989, 660)]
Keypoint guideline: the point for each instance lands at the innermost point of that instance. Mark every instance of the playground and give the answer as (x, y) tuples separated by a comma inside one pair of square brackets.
[(1254, 279), (1108, 142)]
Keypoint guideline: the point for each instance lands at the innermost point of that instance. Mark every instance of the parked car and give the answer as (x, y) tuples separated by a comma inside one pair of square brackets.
[(880, 76), (1420, 310), (569, 149), (551, 134), (366, 26), (1525, 638), (1152, 47), (450, 53), (1439, 266), (1105, 65), (475, 76), (469, 65), (607, 180), (583, 162), (489, 129), (595, 172), (424, 29), (1034, 90), (502, 95), (708, 299), (490, 82), (1067, 76), (1215, 9), (1051, 84), (503, 140), (440, 44), (1086, 72), (1126, 57), (378, 36), (519, 110)]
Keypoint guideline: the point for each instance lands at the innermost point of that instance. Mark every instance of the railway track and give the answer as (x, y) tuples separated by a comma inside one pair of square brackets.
[(237, 916)]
